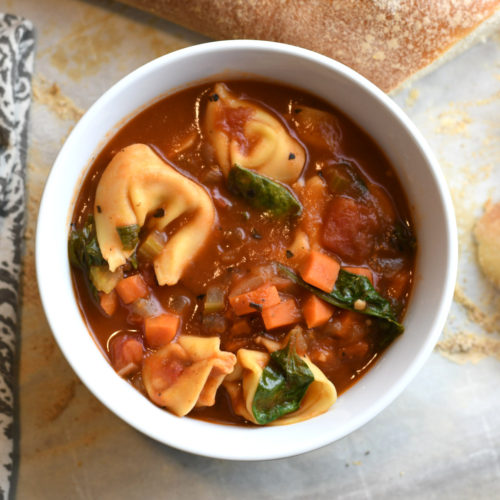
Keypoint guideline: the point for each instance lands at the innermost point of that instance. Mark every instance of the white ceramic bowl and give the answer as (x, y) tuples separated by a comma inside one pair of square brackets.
[(367, 106)]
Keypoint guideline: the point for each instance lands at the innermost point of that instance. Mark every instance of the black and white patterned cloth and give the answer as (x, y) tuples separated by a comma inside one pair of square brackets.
[(16, 66)]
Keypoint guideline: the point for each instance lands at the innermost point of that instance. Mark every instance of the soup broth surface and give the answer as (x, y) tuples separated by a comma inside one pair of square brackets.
[(360, 218)]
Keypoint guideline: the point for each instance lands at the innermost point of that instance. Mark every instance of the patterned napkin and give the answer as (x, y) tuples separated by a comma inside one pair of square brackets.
[(16, 65)]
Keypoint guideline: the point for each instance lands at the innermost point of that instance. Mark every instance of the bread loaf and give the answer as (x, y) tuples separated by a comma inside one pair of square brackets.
[(388, 41)]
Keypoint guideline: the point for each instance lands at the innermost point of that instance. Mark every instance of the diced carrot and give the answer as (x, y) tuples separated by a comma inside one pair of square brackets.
[(320, 270), (316, 311), (283, 314), (160, 330), (361, 271), (109, 302), (132, 288), (241, 327), (260, 298)]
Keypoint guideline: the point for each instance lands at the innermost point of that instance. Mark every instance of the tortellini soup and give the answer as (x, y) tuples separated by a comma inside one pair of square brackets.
[(243, 253)]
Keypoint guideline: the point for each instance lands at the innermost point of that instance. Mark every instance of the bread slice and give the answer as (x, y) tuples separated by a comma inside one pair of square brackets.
[(487, 233), (388, 41)]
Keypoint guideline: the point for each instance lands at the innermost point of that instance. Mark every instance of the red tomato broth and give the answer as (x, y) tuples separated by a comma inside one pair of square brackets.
[(244, 239)]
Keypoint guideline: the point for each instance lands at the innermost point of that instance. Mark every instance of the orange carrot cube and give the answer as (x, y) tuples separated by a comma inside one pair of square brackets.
[(316, 311), (255, 300), (132, 288), (320, 270), (360, 271), (283, 314), (109, 302), (160, 330)]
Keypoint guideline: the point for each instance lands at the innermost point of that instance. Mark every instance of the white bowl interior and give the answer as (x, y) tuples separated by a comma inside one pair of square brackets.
[(366, 106)]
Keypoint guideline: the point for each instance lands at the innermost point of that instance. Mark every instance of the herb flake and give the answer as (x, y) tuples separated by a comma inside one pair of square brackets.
[(255, 234)]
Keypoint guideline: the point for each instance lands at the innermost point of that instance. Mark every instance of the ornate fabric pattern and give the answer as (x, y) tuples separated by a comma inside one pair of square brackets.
[(16, 65)]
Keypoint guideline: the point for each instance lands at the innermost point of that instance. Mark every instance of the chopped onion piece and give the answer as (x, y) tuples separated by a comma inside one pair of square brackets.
[(146, 307), (103, 279), (179, 303), (127, 370), (214, 324), (215, 300)]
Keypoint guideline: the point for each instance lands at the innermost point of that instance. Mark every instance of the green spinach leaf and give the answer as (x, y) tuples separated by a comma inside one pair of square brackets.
[(402, 238), (83, 249), (129, 235), (282, 385), (263, 193), (343, 177), (348, 289)]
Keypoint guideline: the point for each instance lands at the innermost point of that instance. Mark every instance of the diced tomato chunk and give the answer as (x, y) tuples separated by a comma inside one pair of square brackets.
[(350, 229), (357, 350), (383, 204), (126, 353), (346, 325), (399, 285)]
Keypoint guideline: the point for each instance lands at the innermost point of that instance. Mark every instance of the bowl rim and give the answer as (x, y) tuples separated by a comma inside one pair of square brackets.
[(434, 169)]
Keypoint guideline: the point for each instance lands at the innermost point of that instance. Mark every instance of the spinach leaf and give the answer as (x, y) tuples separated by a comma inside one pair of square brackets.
[(263, 193), (348, 289), (402, 237), (283, 384), (129, 235), (343, 177), (133, 260), (83, 249)]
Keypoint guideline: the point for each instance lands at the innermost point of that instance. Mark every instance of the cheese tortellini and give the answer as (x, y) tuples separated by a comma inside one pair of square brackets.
[(136, 184), (242, 384), (186, 373), (243, 133)]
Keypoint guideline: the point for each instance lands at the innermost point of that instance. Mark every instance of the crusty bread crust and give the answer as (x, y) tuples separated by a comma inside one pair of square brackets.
[(387, 41), (487, 233)]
